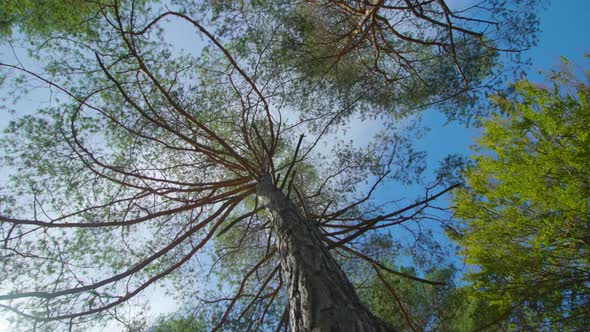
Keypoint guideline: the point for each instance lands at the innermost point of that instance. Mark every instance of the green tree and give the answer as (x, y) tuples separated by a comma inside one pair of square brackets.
[(177, 324), (436, 305), (526, 205), (44, 17), (147, 155)]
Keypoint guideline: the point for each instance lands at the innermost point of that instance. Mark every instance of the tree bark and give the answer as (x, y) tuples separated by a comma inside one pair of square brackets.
[(321, 298)]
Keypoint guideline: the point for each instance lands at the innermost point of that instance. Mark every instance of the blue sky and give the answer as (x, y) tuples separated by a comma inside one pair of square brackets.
[(565, 31)]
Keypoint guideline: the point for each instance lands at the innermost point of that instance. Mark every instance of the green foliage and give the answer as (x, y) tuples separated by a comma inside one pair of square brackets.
[(330, 49), (177, 324), (409, 305), (323, 48), (42, 17), (526, 205)]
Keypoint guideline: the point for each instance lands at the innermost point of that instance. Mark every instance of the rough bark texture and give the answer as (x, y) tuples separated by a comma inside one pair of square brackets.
[(321, 298)]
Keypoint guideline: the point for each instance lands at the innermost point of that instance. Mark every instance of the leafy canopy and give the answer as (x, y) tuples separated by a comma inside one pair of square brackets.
[(392, 57), (408, 305), (41, 18), (526, 205)]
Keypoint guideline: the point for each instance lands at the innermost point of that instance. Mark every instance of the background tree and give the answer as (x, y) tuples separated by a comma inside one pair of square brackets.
[(177, 324), (146, 155), (408, 305), (526, 205)]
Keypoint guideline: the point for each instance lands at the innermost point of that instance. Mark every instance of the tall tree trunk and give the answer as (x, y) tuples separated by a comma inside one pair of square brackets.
[(321, 298)]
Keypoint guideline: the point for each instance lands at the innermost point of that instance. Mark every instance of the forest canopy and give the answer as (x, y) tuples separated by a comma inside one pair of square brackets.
[(217, 167)]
